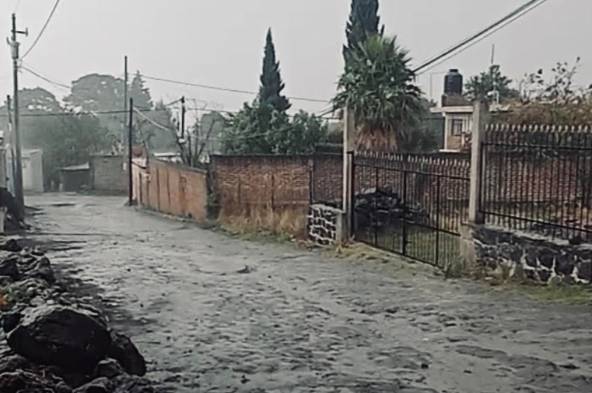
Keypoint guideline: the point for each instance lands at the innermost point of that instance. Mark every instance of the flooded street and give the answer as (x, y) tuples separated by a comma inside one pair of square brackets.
[(297, 321)]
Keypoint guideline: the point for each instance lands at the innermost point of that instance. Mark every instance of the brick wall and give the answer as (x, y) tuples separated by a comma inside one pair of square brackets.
[(263, 192), (172, 189), (108, 174)]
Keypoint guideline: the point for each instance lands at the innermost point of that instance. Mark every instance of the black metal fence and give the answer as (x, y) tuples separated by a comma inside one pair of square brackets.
[(538, 179), (411, 205)]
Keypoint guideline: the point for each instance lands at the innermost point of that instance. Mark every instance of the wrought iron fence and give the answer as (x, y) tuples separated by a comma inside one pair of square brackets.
[(538, 179), (411, 205)]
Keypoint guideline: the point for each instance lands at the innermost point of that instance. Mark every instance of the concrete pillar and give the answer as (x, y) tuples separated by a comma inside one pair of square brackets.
[(348, 150), (480, 119)]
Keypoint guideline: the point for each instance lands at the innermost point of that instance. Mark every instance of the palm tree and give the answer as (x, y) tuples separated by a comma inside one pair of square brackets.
[(378, 87)]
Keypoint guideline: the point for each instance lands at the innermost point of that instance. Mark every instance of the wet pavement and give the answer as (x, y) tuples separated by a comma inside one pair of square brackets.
[(297, 321)]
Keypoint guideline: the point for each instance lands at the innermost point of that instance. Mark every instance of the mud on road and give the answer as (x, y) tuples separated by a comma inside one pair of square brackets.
[(297, 321)]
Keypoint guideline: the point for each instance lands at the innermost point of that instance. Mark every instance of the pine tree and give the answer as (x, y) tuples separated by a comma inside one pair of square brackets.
[(363, 22), (270, 92), (140, 93)]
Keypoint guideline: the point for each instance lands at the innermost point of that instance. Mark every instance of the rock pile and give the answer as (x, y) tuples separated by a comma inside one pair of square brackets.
[(52, 342)]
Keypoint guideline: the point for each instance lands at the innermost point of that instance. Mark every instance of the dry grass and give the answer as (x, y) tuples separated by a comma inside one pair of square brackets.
[(277, 222)]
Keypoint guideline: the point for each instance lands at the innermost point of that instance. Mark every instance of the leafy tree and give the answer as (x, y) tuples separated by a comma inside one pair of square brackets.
[(66, 140), (554, 100), (301, 136), (156, 138), (378, 87), (251, 130), (271, 88), (261, 129), (140, 93), (363, 23), (482, 86), (97, 92), (209, 131)]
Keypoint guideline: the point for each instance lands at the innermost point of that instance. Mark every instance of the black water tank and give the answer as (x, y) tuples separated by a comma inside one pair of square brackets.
[(453, 83)]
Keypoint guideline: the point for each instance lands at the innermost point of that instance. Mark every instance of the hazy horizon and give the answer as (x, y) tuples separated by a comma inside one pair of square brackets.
[(221, 43)]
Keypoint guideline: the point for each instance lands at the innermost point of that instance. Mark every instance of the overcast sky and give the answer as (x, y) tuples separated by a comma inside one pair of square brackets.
[(220, 42)]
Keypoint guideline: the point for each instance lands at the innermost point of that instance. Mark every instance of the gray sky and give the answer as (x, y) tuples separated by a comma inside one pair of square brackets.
[(220, 42)]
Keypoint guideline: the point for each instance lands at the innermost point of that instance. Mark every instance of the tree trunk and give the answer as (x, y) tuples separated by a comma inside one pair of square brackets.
[(376, 140)]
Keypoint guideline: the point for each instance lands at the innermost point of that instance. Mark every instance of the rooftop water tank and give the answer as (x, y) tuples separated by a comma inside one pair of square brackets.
[(453, 83)]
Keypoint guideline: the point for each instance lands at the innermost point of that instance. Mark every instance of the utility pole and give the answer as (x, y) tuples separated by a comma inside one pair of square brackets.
[(18, 179), (130, 153), (183, 111), (125, 98), (10, 139), (188, 141)]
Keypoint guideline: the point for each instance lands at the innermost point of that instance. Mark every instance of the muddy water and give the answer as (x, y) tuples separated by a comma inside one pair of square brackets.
[(299, 322)]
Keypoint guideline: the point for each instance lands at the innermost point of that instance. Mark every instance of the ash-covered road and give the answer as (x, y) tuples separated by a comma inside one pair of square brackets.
[(297, 321)]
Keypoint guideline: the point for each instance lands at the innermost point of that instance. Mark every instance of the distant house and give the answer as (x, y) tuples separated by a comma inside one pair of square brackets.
[(75, 178), (32, 161), (457, 113)]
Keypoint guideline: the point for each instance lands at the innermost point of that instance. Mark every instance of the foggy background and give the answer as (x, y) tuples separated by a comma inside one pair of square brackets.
[(221, 42)]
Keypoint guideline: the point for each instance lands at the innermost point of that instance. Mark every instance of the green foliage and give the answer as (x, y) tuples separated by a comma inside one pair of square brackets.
[(66, 140), (264, 127), (157, 138), (208, 131), (261, 129), (97, 92), (140, 93), (301, 136), (363, 23), (378, 87), (271, 88), (250, 130), (482, 86), (554, 100)]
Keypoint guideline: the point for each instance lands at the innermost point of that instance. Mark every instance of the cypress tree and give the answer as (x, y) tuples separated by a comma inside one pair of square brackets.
[(363, 22), (271, 88)]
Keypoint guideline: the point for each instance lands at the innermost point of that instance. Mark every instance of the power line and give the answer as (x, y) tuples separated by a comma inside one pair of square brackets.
[(479, 36), (53, 10), (89, 113), (38, 75), (228, 90)]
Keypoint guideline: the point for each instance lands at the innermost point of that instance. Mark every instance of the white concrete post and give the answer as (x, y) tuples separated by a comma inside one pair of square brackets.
[(348, 149), (480, 119)]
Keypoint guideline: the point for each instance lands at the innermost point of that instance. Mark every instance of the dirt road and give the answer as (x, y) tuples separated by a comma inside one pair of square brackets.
[(296, 321)]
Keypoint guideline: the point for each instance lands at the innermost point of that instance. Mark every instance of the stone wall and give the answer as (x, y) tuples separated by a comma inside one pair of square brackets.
[(325, 225), (532, 257)]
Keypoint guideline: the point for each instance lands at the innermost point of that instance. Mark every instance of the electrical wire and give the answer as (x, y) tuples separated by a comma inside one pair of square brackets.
[(46, 79), (228, 90), (479, 36), (154, 123), (53, 10), (89, 113)]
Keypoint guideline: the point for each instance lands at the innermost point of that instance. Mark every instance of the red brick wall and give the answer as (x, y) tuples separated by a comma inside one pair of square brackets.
[(172, 189), (266, 192)]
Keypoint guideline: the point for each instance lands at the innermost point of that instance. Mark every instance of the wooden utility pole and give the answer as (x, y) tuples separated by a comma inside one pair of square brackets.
[(125, 100), (10, 139), (130, 153), (18, 178)]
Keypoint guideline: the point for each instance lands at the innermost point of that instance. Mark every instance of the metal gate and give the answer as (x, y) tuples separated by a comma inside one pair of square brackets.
[(411, 205)]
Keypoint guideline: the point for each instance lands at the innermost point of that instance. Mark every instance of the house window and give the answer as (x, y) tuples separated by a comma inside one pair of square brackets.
[(457, 127)]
